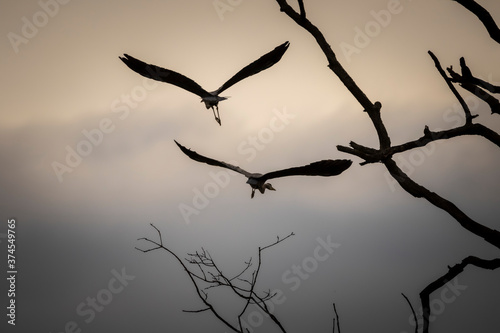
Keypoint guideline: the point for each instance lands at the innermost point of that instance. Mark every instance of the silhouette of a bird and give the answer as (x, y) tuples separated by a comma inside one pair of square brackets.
[(257, 181), (211, 99)]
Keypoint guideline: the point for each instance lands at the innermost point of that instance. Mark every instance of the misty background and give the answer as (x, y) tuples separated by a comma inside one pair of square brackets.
[(78, 218)]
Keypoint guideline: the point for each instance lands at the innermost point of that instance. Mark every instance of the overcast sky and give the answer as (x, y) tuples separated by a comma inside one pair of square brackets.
[(88, 162)]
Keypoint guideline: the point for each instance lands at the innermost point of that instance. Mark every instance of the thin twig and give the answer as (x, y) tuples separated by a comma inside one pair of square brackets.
[(336, 318), (468, 116), (204, 261), (412, 311), (201, 294), (475, 85), (260, 302), (373, 109), (469, 78), (196, 311)]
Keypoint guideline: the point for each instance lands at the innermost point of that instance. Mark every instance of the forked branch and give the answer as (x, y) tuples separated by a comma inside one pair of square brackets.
[(385, 152), (373, 109), (201, 294), (213, 277), (476, 86), (450, 275), (468, 116)]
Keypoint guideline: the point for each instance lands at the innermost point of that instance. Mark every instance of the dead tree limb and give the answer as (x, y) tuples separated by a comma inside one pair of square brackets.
[(484, 16), (476, 86), (373, 109), (450, 275), (371, 155), (412, 311), (386, 151), (201, 295), (492, 236), (211, 275), (468, 116), (468, 77), (256, 299), (336, 319), (302, 9)]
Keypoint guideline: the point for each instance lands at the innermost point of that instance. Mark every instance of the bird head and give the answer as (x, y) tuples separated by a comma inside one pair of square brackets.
[(262, 188), (267, 186)]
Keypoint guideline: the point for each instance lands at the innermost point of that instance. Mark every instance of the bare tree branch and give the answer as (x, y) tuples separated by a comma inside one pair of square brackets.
[(373, 109), (196, 311), (484, 16), (371, 155), (214, 277), (491, 236), (191, 277), (475, 85), (431, 136), (452, 273), (468, 77), (493, 103), (412, 311), (248, 265), (261, 302), (244, 283), (386, 151), (468, 116), (302, 9), (336, 319)]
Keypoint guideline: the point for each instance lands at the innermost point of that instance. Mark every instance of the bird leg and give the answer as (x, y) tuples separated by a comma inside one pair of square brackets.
[(253, 193), (217, 117)]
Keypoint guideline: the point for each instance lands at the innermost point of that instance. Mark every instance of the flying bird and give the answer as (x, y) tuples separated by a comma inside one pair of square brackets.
[(257, 181), (211, 99)]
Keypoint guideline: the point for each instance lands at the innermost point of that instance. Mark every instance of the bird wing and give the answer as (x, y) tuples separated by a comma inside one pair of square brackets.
[(264, 62), (164, 75), (325, 168), (200, 158)]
